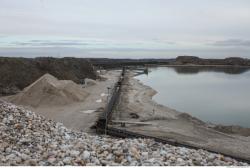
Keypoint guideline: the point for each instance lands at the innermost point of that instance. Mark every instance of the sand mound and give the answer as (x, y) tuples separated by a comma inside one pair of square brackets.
[(49, 91)]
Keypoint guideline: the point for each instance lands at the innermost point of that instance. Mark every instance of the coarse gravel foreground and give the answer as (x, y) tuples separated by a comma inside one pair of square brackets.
[(30, 139)]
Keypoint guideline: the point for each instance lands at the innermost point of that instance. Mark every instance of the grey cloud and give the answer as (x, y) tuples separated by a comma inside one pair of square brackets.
[(51, 43), (232, 42), (164, 41)]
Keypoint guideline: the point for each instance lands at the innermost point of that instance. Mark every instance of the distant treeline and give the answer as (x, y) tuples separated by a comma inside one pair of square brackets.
[(197, 69), (181, 60), (115, 63)]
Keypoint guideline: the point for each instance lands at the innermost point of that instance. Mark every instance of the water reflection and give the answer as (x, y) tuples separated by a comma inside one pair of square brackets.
[(195, 69), (204, 92)]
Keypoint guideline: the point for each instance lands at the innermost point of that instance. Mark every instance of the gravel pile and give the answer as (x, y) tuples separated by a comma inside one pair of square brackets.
[(30, 139), (49, 91)]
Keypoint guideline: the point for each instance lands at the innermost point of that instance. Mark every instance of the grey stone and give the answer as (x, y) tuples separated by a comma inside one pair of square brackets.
[(86, 155), (67, 160), (74, 153)]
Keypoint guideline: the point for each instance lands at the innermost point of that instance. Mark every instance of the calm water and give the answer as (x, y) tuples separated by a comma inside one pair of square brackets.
[(217, 95)]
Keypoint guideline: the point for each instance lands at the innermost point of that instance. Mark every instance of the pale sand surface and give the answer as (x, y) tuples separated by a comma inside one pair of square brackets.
[(168, 123), (80, 114)]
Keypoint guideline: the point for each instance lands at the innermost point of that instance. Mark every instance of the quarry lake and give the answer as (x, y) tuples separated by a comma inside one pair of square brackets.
[(219, 95)]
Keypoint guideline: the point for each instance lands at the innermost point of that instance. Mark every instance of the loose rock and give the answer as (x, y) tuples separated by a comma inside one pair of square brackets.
[(29, 139)]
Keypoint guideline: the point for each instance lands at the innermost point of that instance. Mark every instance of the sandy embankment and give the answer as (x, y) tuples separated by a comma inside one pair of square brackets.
[(64, 101), (136, 100)]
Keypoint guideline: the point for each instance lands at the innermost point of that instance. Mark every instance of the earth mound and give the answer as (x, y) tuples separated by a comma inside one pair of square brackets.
[(49, 91)]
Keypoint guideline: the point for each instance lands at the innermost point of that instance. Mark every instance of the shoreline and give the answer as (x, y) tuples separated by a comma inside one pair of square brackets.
[(168, 123), (245, 131)]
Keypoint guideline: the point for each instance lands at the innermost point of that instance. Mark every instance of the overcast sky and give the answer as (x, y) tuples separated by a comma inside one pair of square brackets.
[(125, 28)]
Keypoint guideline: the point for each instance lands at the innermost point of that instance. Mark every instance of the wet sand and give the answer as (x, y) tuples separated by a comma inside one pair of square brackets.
[(136, 100)]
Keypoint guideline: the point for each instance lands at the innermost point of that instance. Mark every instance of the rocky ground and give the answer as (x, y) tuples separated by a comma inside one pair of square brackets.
[(30, 139)]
